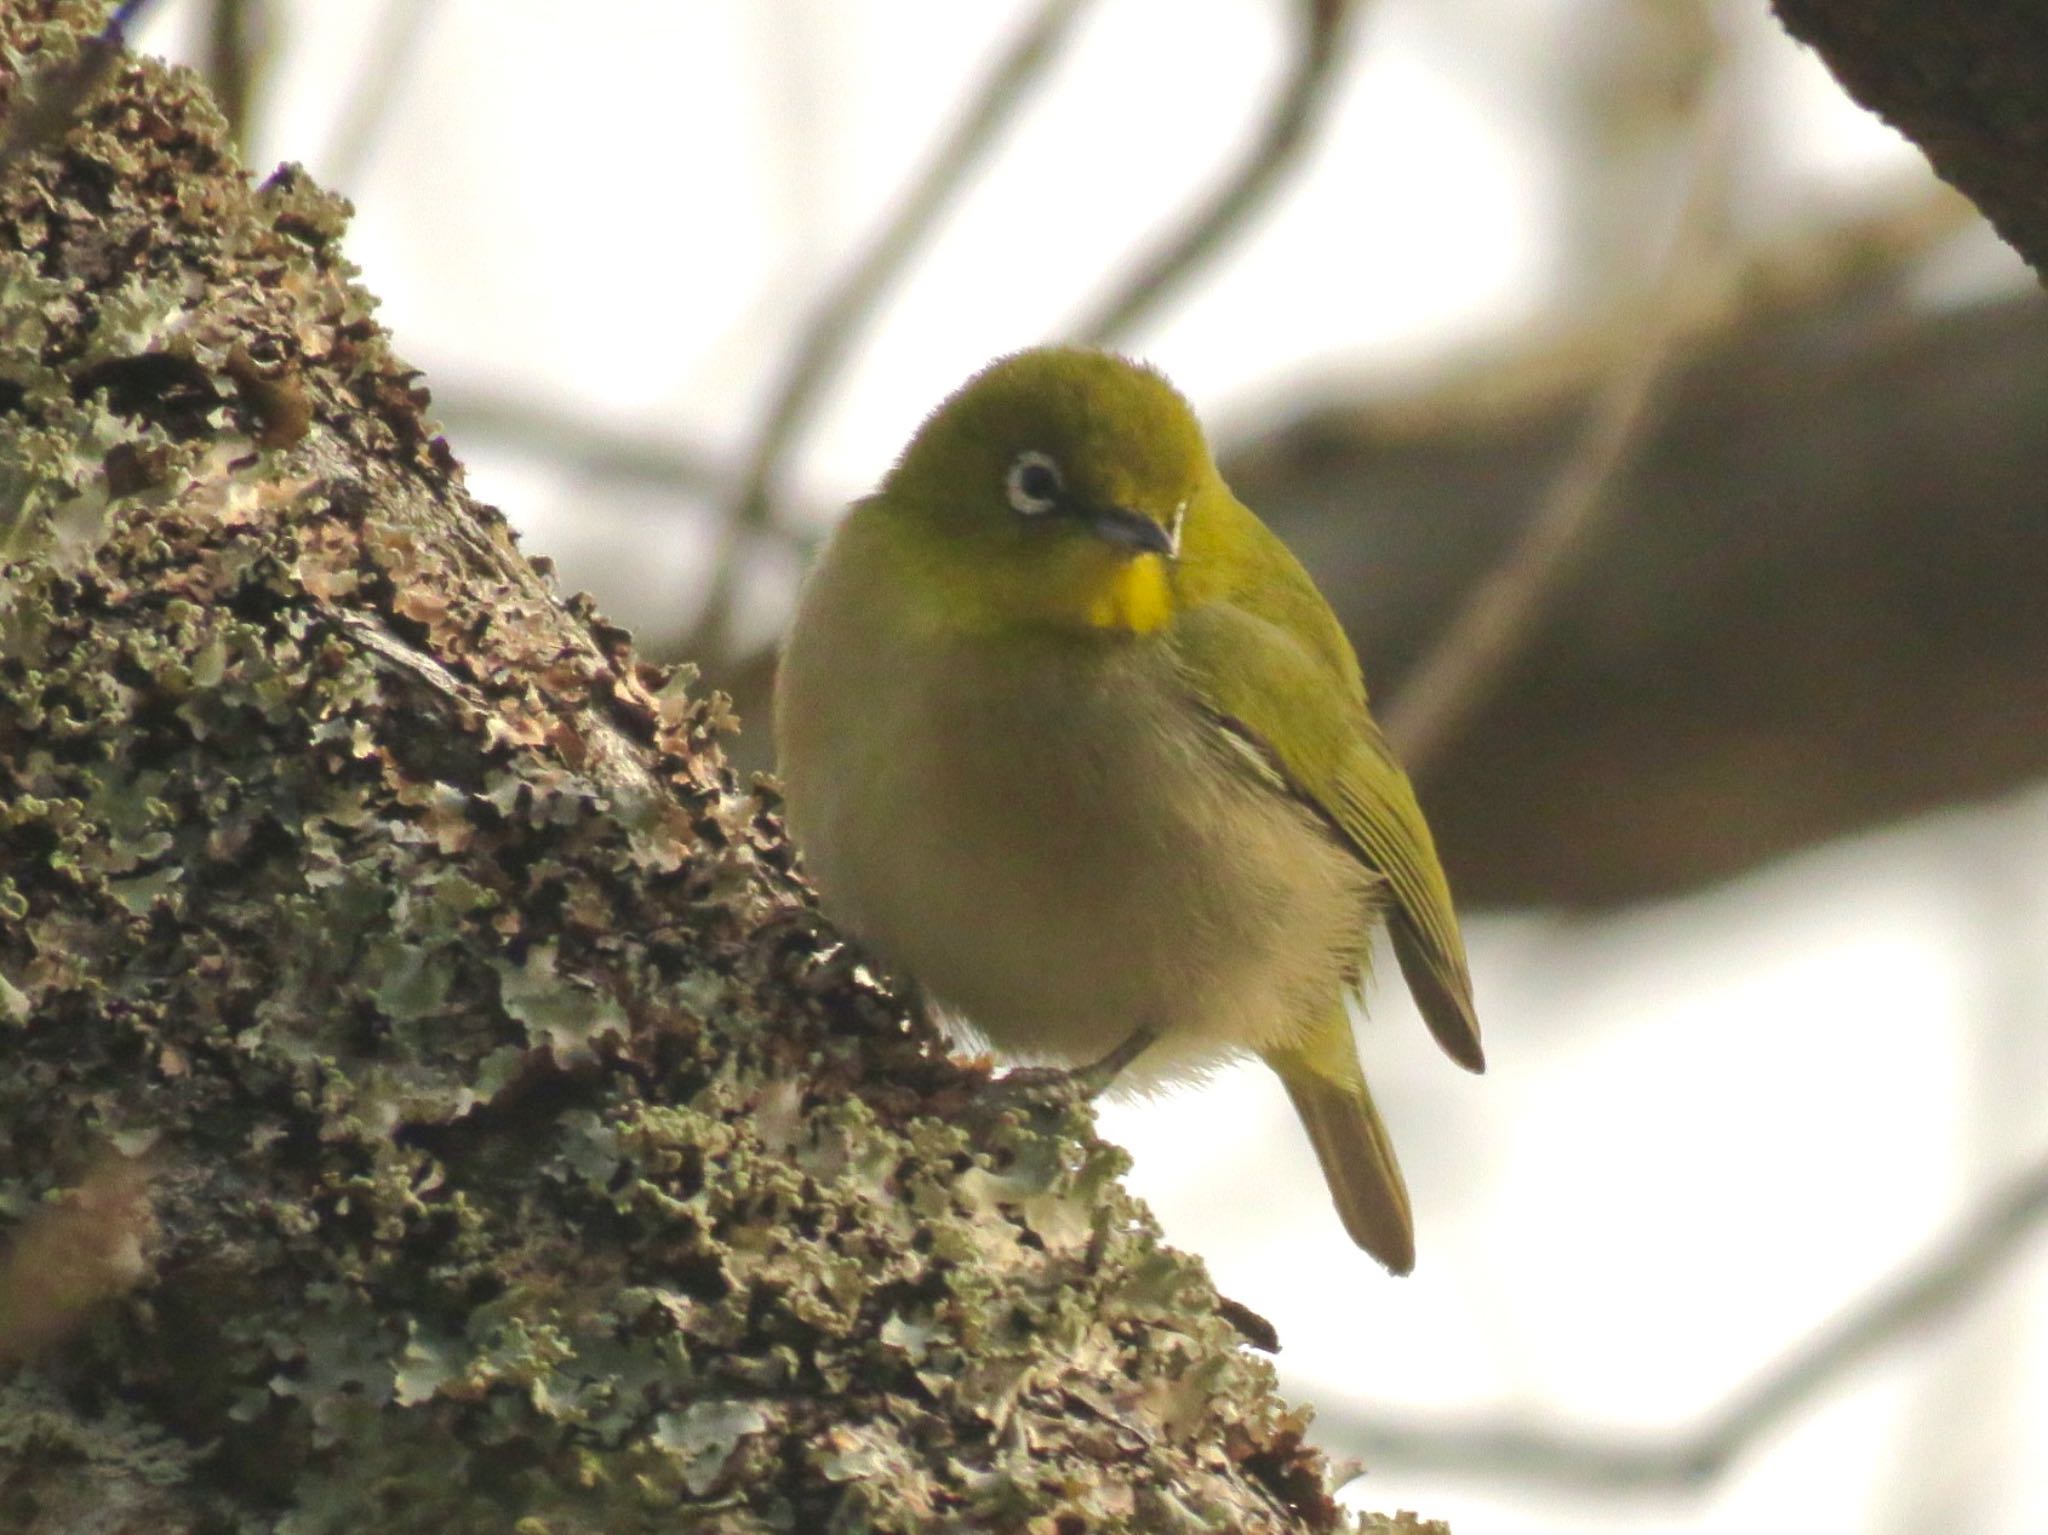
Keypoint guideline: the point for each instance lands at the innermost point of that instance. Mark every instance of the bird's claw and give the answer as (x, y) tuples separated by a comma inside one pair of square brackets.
[(1038, 1087), (1054, 1087)]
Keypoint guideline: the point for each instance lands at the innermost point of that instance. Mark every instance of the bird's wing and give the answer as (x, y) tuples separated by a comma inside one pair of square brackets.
[(1278, 675)]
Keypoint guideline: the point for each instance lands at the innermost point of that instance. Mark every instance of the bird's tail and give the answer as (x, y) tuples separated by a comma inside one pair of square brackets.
[(1323, 1077)]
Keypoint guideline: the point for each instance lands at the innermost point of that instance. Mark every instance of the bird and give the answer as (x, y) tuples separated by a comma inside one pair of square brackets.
[(1069, 738)]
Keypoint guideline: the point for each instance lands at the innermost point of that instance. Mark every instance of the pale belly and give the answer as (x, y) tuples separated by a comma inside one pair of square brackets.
[(1059, 862)]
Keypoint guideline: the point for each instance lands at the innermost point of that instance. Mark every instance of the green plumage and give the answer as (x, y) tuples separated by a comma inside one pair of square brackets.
[(1301, 701), (1072, 738)]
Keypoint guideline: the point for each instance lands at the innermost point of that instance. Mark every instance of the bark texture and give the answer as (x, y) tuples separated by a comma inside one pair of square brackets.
[(1967, 83), (428, 1100)]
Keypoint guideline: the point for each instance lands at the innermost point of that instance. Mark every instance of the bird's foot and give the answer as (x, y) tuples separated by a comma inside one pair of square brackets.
[(1054, 1087), (1037, 1087)]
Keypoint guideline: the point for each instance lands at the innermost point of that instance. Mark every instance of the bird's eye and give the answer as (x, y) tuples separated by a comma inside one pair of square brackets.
[(1033, 484)]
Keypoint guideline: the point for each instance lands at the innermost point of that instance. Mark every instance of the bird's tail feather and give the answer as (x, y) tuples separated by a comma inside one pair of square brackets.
[(1357, 1157)]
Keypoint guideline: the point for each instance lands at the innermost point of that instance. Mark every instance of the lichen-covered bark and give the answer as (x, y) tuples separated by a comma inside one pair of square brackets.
[(1968, 83), (428, 1101)]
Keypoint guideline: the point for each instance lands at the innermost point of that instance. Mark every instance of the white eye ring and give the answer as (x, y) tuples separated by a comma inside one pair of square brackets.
[(1033, 484)]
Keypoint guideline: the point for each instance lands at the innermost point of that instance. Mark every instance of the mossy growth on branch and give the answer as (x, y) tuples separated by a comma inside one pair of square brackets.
[(429, 1101)]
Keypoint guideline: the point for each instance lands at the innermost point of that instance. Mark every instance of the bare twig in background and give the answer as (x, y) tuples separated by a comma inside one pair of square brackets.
[(1958, 1271), (236, 39), (55, 95), (826, 338), (1284, 133), (1815, 268), (385, 65), (1448, 686), (587, 447)]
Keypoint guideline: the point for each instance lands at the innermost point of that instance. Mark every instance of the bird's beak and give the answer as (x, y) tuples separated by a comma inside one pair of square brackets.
[(1133, 531)]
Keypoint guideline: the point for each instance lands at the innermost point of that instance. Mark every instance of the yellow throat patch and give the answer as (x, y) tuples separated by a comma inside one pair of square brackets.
[(1135, 597)]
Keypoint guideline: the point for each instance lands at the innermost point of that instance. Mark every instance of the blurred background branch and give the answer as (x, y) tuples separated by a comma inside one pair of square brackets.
[(238, 34), (1284, 134), (1954, 1275), (1438, 699), (1791, 647), (596, 453), (387, 64), (850, 301)]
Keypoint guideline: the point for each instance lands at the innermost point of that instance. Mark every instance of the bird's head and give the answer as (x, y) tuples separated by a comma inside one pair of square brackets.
[(1058, 488)]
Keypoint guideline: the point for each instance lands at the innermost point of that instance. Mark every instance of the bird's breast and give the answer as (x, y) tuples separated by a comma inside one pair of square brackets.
[(1049, 838)]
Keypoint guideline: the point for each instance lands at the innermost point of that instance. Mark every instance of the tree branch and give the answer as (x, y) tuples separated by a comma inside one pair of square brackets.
[(1439, 698), (1967, 83), (387, 62), (836, 318), (1531, 1453), (1286, 130), (590, 447), (1824, 618), (235, 41)]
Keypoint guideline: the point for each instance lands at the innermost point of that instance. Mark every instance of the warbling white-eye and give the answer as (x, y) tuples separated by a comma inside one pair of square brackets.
[(1071, 739)]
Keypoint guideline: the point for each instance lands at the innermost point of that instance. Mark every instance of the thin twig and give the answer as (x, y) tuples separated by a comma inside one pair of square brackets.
[(379, 76), (1941, 1285), (1284, 132), (1811, 269), (587, 447), (828, 335), (1458, 674), (232, 45), (47, 104)]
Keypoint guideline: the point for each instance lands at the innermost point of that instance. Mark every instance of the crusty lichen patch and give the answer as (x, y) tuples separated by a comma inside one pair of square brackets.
[(521, 1151)]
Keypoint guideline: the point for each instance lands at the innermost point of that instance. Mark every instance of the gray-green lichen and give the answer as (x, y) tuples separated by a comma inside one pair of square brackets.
[(500, 1142)]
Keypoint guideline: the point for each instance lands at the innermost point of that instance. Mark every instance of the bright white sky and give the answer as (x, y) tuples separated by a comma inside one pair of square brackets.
[(1708, 1126)]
